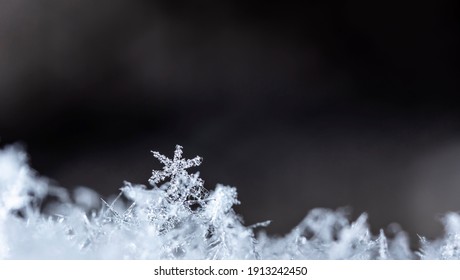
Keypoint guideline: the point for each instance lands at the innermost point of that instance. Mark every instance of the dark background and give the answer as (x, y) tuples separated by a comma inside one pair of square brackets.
[(320, 105)]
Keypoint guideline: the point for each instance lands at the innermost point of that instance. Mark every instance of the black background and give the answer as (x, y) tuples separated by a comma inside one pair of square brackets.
[(299, 106)]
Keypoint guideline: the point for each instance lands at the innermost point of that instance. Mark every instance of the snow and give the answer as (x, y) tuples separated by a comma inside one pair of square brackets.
[(179, 219)]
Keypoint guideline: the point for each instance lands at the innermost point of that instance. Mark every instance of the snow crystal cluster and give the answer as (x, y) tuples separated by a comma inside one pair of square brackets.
[(177, 218)]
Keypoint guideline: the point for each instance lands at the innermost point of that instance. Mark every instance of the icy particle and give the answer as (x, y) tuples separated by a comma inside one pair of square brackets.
[(175, 168)]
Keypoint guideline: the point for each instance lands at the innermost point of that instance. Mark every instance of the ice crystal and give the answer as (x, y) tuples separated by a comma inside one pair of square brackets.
[(175, 168), (448, 247), (177, 218)]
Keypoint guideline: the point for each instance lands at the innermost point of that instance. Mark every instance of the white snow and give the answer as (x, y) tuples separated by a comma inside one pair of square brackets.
[(178, 219)]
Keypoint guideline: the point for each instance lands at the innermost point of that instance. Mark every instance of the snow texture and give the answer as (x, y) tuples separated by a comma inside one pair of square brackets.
[(178, 219)]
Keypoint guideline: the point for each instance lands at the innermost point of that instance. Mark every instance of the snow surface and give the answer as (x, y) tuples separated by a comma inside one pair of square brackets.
[(177, 218)]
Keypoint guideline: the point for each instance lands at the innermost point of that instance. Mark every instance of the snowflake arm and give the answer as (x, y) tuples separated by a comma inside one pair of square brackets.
[(163, 159), (178, 153)]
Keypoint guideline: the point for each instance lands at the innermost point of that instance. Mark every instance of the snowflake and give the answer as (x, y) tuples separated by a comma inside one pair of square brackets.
[(175, 168)]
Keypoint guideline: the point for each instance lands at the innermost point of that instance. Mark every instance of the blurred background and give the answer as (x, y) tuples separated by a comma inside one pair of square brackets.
[(319, 105)]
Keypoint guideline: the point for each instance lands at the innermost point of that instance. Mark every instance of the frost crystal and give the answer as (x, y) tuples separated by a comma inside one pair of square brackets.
[(179, 219), (174, 168)]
